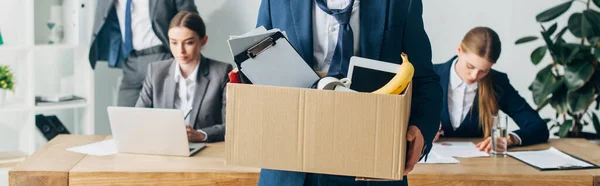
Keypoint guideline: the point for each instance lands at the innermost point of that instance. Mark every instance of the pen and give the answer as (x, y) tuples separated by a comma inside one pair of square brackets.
[(186, 115)]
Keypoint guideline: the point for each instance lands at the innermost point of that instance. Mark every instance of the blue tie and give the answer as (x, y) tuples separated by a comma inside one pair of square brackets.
[(128, 42), (345, 45)]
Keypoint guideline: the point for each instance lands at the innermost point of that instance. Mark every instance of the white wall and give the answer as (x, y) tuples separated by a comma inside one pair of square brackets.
[(445, 21)]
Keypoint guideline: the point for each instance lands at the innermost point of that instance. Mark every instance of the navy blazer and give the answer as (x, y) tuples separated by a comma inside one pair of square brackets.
[(532, 128), (387, 28)]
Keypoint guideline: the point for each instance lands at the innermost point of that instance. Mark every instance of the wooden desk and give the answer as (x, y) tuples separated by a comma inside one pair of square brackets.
[(52, 165), (509, 171)]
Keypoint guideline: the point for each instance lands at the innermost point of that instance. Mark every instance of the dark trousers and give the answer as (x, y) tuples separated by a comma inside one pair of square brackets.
[(331, 180)]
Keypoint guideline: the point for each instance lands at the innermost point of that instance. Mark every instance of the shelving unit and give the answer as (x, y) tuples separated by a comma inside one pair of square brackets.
[(41, 68)]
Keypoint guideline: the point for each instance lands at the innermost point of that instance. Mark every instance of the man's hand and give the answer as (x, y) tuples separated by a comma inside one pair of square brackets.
[(193, 135), (439, 133), (416, 142)]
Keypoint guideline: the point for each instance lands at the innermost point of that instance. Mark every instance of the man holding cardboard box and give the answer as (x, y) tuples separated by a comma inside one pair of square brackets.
[(326, 33)]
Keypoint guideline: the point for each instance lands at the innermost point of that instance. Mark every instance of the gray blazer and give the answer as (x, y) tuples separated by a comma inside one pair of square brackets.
[(208, 112)]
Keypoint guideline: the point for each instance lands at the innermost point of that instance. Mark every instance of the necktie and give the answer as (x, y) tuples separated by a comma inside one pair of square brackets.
[(128, 41), (345, 45)]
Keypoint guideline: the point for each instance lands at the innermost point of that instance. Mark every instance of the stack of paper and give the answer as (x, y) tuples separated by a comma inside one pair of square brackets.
[(435, 158), (103, 148), (458, 149), (444, 152)]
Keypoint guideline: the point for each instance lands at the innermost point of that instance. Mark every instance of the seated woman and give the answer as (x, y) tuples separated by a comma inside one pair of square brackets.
[(474, 93), (189, 82)]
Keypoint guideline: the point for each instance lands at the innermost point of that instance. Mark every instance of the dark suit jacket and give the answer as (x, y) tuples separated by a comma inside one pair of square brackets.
[(208, 111), (387, 28), (532, 128), (107, 39)]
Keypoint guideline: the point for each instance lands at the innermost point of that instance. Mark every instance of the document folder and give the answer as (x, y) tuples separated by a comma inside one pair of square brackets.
[(271, 60)]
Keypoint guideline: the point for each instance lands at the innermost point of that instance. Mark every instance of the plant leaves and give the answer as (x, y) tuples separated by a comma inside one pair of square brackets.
[(595, 42), (573, 52), (580, 100), (593, 19), (597, 2), (553, 12), (552, 29), (545, 83), (547, 39), (563, 131), (579, 25), (596, 123), (526, 39), (554, 48), (538, 54), (577, 74), (559, 100), (562, 32), (596, 79)]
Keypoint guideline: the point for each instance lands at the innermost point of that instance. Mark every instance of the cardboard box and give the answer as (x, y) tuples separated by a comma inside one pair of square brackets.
[(317, 131)]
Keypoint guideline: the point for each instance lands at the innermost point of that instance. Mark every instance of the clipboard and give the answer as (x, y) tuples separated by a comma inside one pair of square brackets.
[(562, 167), (272, 61)]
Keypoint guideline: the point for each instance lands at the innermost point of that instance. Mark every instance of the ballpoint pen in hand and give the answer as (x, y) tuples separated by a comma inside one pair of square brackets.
[(186, 115)]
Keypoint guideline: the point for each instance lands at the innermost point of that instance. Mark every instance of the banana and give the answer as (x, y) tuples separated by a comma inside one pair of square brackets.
[(401, 80)]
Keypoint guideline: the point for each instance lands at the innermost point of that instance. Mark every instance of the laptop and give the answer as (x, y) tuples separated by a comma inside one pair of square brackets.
[(151, 131)]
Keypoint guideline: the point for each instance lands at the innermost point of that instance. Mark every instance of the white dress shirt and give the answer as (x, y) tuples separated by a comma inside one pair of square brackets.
[(186, 89), (141, 26), (461, 97), (326, 30)]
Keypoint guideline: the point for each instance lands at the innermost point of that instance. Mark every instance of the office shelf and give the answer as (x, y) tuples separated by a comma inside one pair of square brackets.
[(43, 69), (61, 106)]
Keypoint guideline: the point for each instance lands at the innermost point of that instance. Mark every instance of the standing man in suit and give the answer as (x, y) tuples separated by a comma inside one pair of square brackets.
[(326, 33), (130, 34)]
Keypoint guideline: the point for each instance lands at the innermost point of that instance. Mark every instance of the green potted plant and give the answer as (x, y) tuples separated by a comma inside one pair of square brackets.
[(570, 79), (6, 83)]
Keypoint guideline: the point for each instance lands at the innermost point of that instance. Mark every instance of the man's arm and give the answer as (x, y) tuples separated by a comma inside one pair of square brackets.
[(264, 15), (427, 92), (186, 5)]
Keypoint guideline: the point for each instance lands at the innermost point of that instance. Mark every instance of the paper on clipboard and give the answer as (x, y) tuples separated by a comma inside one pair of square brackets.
[(267, 58), (551, 158), (238, 44)]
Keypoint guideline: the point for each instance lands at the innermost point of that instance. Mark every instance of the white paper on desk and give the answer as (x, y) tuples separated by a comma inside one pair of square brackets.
[(435, 158), (457, 149), (102, 148), (547, 159)]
